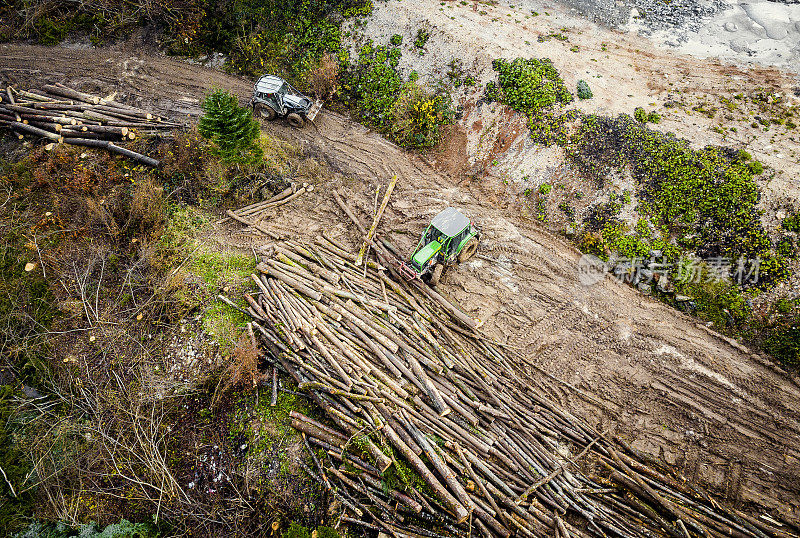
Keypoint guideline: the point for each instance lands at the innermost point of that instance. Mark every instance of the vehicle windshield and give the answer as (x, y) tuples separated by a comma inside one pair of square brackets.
[(434, 235)]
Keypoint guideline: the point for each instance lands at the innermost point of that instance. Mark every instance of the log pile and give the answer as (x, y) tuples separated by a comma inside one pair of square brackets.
[(439, 431), (250, 215), (63, 115)]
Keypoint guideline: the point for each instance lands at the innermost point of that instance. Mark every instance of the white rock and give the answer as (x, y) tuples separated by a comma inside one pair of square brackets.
[(731, 26)]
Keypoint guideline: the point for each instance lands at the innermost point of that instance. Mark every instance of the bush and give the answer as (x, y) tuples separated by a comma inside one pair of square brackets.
[(530, 85), (396, 40), (785, 248), (705, 198), (545, 188), (791, 223), (584, 92), (654, 117), (492, 92), (373, 84), (417, 116), (323, 78), (231, 127), (422, 38), (783, 340), (640, 115)]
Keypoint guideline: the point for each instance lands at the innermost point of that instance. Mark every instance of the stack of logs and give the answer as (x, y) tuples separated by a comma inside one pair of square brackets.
[(61, 114), (251, 215), (435, 430)]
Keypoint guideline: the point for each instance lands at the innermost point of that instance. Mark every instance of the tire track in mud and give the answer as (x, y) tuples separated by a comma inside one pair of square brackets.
[(674, 390)]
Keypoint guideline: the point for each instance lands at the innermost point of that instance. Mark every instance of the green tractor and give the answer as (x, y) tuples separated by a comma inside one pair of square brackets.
[(449, 238)]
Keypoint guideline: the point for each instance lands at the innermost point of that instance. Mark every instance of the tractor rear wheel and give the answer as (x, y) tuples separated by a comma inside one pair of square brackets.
[(436, 274), (265, 111), (295, 120), (469, 250)]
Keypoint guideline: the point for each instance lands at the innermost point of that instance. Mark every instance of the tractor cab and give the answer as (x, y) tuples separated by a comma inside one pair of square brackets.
[(449, 238)]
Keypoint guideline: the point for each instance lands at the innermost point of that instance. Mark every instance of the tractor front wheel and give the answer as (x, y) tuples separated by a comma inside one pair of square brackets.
[(265, 111), (469, 250), (295, 120), (436, 274)]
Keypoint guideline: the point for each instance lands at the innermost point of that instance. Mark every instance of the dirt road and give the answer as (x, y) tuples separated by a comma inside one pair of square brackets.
[(628, 364)]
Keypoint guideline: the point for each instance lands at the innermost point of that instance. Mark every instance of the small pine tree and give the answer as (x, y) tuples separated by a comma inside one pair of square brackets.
[(231, 127)]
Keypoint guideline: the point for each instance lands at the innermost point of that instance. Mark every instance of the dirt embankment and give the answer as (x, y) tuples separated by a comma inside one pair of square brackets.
[(627, 363)]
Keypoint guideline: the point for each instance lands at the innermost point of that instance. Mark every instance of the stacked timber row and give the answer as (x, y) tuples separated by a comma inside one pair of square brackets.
[(63, 115), (251, 215), (434, 430)]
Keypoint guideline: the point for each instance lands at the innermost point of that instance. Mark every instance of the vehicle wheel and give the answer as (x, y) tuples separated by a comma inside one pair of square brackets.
[(295, 120), (436, 274), (469, 250), (265, 111)]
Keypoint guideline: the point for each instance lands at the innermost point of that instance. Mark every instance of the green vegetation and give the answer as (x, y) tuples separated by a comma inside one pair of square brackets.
[(372, 84), (705, 197), (583, 90), (105, 286), (375, 89), (296, 530), (231, 127), (545, 188), (422, 38), (642, 116), (16, 504), (417, 116), (529, 86), (791, 223), (396, 40), (287, 38)]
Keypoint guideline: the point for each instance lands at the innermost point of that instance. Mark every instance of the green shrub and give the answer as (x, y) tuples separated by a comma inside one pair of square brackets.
[(422, 38), (14, 509), (791, 223), (372, 84), (782, 341), (417, 116), (704, 197), (528, 86), (640, 115), (653, 117), (231, 127), (785, 248), (583, 91), (396, 40), (755, 167), (545, 188), (492, 92)]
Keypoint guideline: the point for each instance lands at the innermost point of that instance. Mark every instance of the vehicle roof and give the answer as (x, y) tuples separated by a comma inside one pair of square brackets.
[(269, 84), (450, 222)]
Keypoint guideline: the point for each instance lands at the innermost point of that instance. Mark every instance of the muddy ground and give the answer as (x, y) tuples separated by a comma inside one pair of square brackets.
[(627, 363)]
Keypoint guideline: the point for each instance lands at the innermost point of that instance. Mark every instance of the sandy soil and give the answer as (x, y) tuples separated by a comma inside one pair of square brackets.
[(625, 362)]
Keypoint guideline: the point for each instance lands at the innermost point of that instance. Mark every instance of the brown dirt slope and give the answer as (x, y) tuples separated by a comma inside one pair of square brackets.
[(627, 363)]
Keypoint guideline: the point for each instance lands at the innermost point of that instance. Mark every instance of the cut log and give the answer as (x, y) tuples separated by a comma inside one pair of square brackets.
[(72, 94), (110, 146), (376, 220), (30, 129)]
